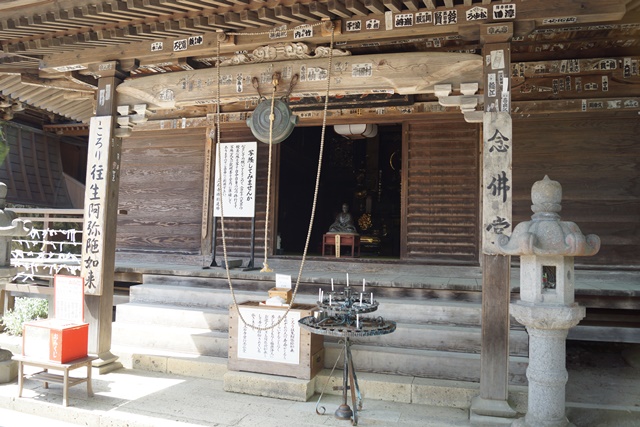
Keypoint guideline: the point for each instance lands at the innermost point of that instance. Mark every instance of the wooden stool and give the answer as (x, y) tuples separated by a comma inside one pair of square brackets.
[(46, 377), (351, 240)]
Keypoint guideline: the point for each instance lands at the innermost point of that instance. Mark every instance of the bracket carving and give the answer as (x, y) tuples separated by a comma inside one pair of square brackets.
[(282, 52)]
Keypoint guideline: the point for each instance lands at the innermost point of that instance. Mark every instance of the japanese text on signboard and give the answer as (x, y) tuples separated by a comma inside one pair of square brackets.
[(278, 344), (235, 179), (94, 203)]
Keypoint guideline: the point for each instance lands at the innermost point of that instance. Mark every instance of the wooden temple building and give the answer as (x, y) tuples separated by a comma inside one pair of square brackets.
[(430, 119)]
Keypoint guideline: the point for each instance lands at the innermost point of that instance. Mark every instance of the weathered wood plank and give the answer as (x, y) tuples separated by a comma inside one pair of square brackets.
[(441, 191), (391, 73), (595, 161)]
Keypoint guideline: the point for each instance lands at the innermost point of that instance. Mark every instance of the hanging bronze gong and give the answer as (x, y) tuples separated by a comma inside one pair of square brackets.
[(283, 121)]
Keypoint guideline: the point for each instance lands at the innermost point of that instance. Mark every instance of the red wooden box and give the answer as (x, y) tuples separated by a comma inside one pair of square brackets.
[(53, 339), (65, 337)]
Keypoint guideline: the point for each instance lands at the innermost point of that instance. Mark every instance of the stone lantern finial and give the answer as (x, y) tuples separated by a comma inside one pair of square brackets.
[(546, 196)]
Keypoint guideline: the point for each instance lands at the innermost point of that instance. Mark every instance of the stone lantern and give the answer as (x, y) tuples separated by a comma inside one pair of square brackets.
[(546, 246), (10, 226)]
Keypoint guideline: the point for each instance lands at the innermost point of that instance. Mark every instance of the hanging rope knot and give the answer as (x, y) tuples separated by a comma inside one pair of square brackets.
[(265, 268), (276, 80)]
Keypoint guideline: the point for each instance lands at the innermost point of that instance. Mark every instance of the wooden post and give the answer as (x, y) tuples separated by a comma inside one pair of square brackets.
[(492, 403), (101, 207)]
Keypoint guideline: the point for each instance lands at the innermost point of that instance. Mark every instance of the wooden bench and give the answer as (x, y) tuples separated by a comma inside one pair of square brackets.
[(351, 240), (47, 377)]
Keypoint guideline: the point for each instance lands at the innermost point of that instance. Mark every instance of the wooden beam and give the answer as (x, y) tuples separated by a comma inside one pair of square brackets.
[(628, 106), (60, 84), (412, 5), (356, 7), (250, 18), (401, 74), (375, 6), (393, 5), (531, 11), (338, 9), (302, 11), (431, 4), (286, 13), (269, 15), (320, 10)]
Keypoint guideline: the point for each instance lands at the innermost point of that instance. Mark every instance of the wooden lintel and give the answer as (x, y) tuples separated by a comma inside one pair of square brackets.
[(604, 106), (181, 123), (380, 73), (417, 111)]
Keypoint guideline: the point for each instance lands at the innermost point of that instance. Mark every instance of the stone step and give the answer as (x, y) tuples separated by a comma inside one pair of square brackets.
[(187, 296), (393, 388), (195, 341), (166, 315), (432, 337), (196, 296), (377, 357), (442, 338), (406, 311), (430, 312), (422, 363)]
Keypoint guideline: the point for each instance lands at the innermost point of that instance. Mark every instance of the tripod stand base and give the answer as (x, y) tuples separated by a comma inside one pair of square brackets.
[(344, 412)]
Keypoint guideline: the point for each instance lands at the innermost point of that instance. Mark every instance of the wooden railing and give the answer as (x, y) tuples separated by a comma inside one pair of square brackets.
[(54, 246)]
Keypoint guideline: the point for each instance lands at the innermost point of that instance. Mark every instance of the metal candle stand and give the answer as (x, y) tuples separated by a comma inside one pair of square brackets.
[(339, 316)]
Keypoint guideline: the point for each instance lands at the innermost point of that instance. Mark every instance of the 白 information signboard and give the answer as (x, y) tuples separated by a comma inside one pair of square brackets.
[(279, 344), (93, 235), (235, 179)]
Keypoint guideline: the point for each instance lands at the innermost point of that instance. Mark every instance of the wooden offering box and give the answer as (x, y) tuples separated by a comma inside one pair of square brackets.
[(53, 339), (65, 337), (285, 350)]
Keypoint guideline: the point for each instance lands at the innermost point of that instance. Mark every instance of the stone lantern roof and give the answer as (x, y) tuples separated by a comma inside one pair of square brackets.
[(546, 234)]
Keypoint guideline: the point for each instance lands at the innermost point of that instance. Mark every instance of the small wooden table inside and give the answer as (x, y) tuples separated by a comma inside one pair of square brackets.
[(351, 240), (47, 377)]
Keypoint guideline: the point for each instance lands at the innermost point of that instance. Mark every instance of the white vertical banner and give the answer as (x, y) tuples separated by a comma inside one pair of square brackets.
[(235, 179), (497, 179), (279, 344), (95, 197), (497, 150)]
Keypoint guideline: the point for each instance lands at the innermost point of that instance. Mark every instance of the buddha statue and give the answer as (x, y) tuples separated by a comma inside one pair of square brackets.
[(344, 222)]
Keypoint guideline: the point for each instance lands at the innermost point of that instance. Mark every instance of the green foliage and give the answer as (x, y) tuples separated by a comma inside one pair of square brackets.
[(26, 309)]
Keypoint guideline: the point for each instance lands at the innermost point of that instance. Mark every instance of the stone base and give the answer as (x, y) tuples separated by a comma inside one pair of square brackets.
[(269, 386), (8, 371), (522, 422), (489, 412), (106, 362)]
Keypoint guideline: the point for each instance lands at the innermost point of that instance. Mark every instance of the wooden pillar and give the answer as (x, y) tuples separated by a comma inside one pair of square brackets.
[(492, 403), (101, 206)]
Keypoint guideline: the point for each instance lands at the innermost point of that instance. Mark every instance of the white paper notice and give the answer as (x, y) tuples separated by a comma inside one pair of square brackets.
[(283, 281), (280, 344)]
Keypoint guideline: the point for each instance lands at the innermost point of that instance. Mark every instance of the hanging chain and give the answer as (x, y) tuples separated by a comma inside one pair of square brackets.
[(315, 194)]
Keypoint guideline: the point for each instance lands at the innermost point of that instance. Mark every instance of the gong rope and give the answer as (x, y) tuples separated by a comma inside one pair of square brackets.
[(317, 185), (265, 265)]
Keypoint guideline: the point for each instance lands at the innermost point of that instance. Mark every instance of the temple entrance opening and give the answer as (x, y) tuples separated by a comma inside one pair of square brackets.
[(363, 172)]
